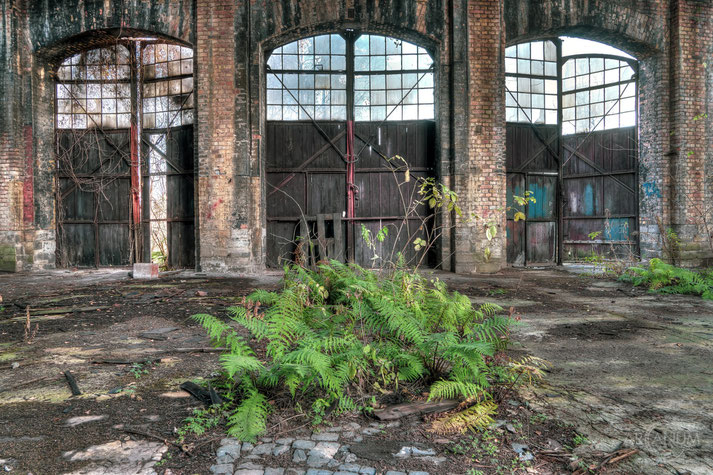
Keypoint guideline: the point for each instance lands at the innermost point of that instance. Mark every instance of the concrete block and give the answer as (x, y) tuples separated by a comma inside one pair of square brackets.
[(144, 270)]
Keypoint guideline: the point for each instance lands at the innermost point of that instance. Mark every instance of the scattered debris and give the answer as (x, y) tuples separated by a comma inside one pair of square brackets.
[(75, 421), (72, 383), (145, 270), (208, 397)]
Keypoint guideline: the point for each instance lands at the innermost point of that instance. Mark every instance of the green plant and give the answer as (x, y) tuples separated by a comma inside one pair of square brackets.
[(494, 292), (166, 457), (336, 333), (538, 418), (200, 421), (579, 439), (666, 278), (491, 224), (140, 369)]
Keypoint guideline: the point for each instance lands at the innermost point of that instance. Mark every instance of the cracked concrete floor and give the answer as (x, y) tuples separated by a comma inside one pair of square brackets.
[(629, 368)]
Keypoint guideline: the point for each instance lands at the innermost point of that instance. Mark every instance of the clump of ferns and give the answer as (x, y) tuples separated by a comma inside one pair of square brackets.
[(340, 333)]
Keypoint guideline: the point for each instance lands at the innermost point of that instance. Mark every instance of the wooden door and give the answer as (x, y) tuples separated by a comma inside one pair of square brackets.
[(600, 202), (531, 164), (93, 198)]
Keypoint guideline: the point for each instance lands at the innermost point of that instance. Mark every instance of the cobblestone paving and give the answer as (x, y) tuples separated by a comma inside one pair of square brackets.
[(324, 453)]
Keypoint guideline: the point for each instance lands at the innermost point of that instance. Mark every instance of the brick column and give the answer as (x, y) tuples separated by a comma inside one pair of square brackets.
[(16, 157), (480, 173), (691, 156)]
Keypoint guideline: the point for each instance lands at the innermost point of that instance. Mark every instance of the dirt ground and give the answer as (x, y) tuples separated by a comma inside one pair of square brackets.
[(628, 369)]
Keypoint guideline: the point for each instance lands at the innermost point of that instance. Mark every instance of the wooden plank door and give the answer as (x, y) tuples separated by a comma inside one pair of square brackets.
[(531, 165), (93, 198), (600, 201)]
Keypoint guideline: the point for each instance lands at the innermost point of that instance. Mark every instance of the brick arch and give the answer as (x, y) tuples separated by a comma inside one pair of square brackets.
[(47, 57), (431, 44), (638, 29), (408, 19), (54, 53), (54, 22)]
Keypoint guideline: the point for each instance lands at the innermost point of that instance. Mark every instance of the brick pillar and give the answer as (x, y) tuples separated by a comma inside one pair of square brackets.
[(691, 156), (480, 173), (228, 188), (16, 206)]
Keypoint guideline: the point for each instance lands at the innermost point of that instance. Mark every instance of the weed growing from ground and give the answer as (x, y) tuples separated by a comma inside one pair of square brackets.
[(668, 279)]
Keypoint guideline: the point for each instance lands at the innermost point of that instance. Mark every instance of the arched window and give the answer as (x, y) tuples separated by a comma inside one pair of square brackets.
[(339, 107), (94, 89), (597, 83), (125, 155), (335, 77), (571, 112)]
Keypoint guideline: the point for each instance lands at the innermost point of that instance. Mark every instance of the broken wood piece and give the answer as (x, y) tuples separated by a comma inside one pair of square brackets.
[(208, 397), (126, 362), (72, 383), (153, 336), (154, 436), (621, 457), (401, 410), (338, 244), (195, 350), (321, 237)]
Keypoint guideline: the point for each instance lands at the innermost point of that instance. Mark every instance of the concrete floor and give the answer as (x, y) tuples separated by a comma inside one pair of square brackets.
[(628, 368)]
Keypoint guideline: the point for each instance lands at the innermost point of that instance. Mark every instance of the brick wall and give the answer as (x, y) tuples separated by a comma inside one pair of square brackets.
[(671, 38), (691, 156)]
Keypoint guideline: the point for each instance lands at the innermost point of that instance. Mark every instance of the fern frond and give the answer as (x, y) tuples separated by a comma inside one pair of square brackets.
[(477, 417), (249, 419), (235, 363), (448, 389)]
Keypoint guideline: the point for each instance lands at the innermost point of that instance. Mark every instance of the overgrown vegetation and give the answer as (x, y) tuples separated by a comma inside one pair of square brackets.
[(338, 336), (669, 279)]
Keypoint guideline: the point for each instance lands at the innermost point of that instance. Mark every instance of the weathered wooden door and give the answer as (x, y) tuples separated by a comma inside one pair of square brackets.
[(531, 165), (600, 201), (93, 198), (307, 176), (385, 199)]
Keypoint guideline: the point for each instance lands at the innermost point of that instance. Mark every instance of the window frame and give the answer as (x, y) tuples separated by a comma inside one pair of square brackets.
[(353, 76)]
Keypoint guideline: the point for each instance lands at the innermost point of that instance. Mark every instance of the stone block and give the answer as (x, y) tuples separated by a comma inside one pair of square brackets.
[(145, 270)]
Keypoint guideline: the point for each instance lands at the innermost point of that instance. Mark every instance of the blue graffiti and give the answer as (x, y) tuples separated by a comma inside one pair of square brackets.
[(618, 230), (588, 200), (651, 190)]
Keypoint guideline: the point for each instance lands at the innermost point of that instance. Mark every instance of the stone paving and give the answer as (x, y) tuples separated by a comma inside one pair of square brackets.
[(324, 453)]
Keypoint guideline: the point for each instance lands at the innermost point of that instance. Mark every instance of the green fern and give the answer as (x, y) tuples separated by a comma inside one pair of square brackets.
[(249, 419), (666, 278), (340, 332)]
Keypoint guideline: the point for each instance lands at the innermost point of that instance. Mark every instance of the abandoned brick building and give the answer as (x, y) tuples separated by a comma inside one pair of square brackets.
[(212, 133)]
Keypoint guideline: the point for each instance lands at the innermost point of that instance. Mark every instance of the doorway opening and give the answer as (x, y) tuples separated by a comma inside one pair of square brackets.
[(124, 155), (342, 110), (572, 141)]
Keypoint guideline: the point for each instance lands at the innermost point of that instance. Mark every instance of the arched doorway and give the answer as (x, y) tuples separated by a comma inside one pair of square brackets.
[(572, 140), (124, 155), (339, 108)]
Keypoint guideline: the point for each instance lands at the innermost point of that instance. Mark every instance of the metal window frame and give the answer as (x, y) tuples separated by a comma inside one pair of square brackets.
[(350, 37)]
